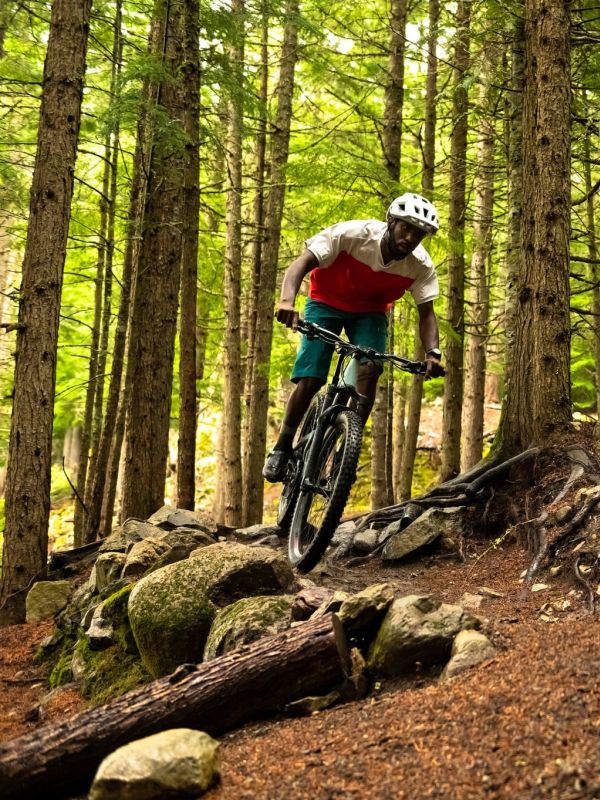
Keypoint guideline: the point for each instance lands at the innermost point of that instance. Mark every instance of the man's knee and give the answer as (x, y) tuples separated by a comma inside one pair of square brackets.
[(369, 372), (309, 385)]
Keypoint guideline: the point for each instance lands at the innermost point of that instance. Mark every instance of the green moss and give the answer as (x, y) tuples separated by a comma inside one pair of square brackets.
[(61, 673), (109, 673)]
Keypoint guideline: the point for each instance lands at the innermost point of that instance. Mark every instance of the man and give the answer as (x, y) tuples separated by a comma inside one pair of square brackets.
[(357, 270)]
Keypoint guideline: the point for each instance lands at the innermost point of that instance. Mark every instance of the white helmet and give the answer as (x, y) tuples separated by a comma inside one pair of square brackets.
[(415, 209)]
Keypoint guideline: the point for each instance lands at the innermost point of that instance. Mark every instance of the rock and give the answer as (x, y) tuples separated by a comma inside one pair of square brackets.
[(176, 763), (100, 632), (246, 621), (189, 537), (423, 531), (469, 648), (45, 599), (472, 601), (168, 517), (361, 613), (494, 594), (308, 600), (171, 610), (257, 532), (331, 604), (417, 628), (343, 531), (539, 587), (107, 570), (143, 555), (312, 705), (267, 541), (137, 529), (366, 541)]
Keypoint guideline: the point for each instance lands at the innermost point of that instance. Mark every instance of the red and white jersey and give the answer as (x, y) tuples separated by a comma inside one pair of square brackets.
[(351, 274)]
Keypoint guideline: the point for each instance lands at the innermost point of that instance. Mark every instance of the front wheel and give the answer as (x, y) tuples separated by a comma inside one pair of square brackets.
[(324, 494)]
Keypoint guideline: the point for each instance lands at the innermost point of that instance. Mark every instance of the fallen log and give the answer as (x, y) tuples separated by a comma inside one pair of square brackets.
[(214, 697)]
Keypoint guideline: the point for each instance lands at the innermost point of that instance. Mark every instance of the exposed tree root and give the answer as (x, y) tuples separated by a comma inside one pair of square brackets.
[(550, 534)]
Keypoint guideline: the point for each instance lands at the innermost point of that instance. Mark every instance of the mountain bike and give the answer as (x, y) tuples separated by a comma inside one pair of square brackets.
[(325, 453)]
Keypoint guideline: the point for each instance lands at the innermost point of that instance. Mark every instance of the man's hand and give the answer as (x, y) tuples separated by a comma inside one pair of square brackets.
[(287, 315), (434, 368)]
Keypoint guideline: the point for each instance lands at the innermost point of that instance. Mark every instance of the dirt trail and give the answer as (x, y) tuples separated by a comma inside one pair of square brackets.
[(524, 725)]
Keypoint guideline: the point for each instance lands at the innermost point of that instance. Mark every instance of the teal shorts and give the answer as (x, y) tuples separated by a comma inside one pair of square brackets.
[(365, 329)]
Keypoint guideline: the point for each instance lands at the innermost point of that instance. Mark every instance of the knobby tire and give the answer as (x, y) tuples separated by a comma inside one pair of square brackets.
[(305, 546), (291, 484)]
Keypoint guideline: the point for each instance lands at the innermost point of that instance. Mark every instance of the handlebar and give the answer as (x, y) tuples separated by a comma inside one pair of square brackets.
[(312, 331)]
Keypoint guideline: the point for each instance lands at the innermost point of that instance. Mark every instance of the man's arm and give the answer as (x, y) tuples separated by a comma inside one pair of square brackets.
[(430, 338), (292, 280)]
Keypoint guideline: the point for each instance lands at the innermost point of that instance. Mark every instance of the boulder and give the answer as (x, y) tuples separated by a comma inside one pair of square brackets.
[(343, 531), (435, 522), (107, 570), (168, 517), (176, 763), (257, 532), (417, 628), (331, 604), (142, 556), (108, 624), (366, 541), (100, 632), (245, 621), (361, 613), (45, 599), (172, 609), (468, 649), (308, 600)]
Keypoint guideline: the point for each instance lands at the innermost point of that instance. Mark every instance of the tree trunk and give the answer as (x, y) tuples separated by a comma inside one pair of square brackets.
[(512, 259), (214, 697), (453, 385), (231, 475), (394, 92), (257, 243), (473, 407), (538, 405), (413, 419), (378, 435), (593, 256), (25, 543), (103, 491), (154, 320), (257, 425), (186, 448)]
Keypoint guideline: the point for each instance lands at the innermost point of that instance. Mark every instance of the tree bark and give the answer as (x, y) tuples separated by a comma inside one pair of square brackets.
[(214, 697), (394, 91), (537, 406), (257, 243), (413, 417), (453, 384), (156, 301), (186, 448), (593, 255), (30, 450), (473, 406), (257, 425), (111, 437), (231, 469)]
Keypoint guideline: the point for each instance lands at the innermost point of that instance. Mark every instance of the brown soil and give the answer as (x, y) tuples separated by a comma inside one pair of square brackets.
[(524, 725), (25, 699)]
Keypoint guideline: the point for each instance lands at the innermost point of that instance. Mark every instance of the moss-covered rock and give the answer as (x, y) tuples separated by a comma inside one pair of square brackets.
[(246, 621), (171, 610), (105, 674), (417, 628), (175, 763), (46, 599)]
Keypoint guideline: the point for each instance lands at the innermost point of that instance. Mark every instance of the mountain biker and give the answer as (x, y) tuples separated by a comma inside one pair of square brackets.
[(357, 270)]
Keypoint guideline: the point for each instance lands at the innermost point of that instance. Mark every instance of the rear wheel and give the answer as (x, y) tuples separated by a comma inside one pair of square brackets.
[(291, 482), (321, 504)]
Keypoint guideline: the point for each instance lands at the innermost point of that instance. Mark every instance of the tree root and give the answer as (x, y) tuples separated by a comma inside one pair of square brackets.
[(458, 491)]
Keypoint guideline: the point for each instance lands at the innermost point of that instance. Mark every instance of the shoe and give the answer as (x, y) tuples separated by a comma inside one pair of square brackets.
[(276, 465)]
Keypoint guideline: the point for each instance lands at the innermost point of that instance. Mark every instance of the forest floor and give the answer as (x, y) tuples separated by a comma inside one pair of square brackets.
[(525, 724)]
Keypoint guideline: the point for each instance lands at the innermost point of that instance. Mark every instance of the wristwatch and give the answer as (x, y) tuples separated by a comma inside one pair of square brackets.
[(435, 352)]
